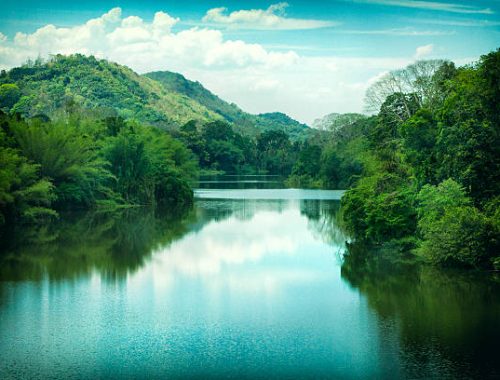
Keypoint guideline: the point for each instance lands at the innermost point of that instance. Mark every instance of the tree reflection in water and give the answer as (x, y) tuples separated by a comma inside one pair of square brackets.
[(114, 243), (442, 316)]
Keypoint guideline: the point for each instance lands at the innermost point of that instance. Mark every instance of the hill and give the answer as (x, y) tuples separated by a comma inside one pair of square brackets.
[(99, 85), (164, 99), (243, 121), (177, 83)]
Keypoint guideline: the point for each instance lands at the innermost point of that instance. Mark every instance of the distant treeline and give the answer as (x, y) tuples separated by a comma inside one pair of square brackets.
[(220, 147)]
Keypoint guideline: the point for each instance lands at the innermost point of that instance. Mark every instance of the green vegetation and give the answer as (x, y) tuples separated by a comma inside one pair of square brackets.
[(334, 156), (80, 162), (430, 176), (453, 231), (89, 83), (9, 95), (243, 122), (220, 147), (163, 99), (78, 132), (423, 173)]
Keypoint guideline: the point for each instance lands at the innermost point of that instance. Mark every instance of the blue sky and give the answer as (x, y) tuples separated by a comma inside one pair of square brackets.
[(305, 58)]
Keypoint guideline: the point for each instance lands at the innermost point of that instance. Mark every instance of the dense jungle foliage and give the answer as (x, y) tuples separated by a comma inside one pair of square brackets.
[(81, 162), (220, 147), (430, 177)]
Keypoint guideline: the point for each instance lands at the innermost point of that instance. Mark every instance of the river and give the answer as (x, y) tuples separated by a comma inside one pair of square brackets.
[(255, 282)]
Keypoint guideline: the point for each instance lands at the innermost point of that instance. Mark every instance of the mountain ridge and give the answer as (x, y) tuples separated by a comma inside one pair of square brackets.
[(165, 99), (176, 82)]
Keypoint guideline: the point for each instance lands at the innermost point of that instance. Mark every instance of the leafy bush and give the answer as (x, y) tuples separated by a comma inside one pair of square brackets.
[(9, 95), (379, 208), (23, 193), (69, 157), (150, 167), (453, 231), (80, 162)]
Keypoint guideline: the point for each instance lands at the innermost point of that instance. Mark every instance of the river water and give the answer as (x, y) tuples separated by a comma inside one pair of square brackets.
[(254, 282)]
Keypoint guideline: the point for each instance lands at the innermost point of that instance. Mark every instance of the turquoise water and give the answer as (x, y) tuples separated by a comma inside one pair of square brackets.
[(243, 286)]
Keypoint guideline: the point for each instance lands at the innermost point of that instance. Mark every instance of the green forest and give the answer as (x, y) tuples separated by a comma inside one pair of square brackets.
[(430, 177), (421, 173)]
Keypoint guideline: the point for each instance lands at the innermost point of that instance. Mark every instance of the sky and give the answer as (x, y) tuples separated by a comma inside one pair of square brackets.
[(303, 58)]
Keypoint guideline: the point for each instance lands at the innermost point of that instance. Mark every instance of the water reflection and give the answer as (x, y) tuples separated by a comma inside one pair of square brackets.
[(447, 321), (239, 236), (114, 244), (119, 243), (234, 288), (324, 222)]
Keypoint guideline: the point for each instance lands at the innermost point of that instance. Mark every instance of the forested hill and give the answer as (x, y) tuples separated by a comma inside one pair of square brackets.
[(106, 87), (243, 121), (163, 99), (279, 120)]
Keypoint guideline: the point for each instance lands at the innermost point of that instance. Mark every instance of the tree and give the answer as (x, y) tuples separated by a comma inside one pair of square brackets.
[(275, 152), (68, 157), (489, 72), (419, 134), (380, 208), (453, 231), (308, 162), (150, 167), (23, 193), (433, 162), (417, 81), (468, 142), (9, 95)]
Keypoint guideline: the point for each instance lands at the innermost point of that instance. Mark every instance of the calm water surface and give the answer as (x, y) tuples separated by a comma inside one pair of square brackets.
[(250, 284)]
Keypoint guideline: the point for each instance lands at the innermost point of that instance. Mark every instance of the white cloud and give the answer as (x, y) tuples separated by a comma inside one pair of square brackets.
[(423, 51), (220, 258), (257, 78), (265, 85), (143, 46), (431, 6), (401, 32), (270, 18), (307, 89)]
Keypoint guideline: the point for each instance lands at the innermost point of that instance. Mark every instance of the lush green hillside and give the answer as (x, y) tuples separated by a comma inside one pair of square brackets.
[(164, 98), (242, 121), (281, 121), (174, 82), (47, 88)]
